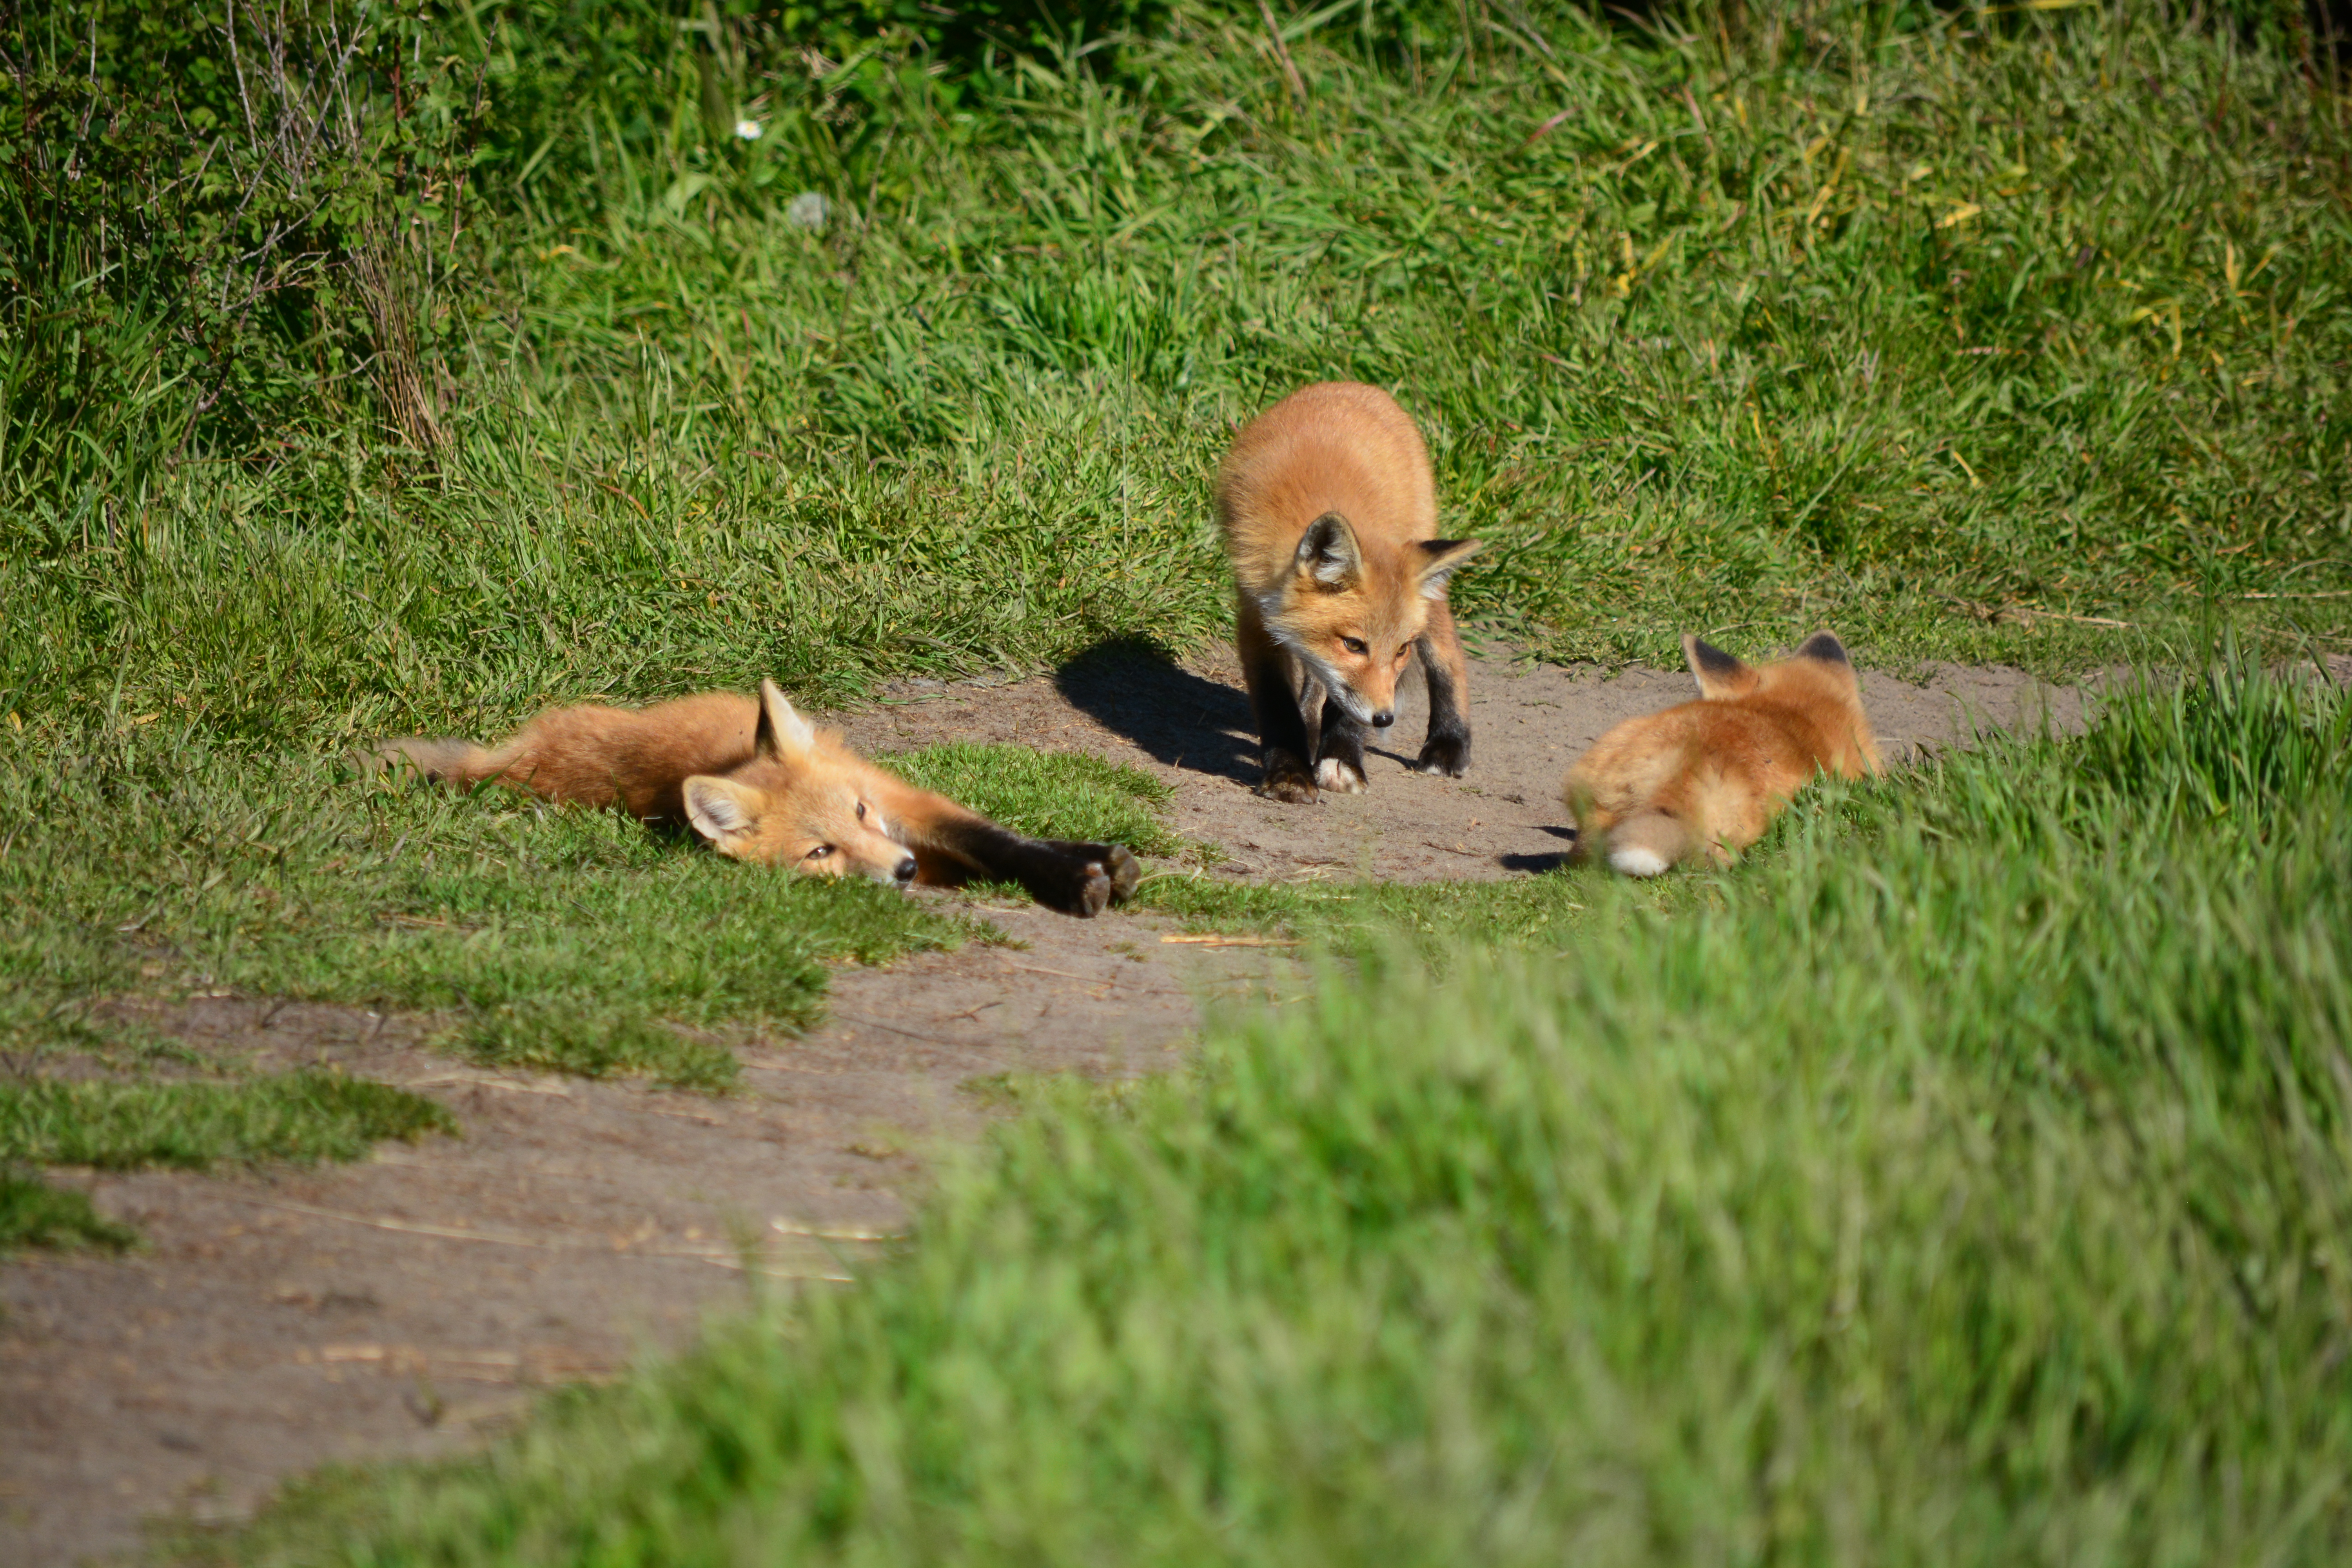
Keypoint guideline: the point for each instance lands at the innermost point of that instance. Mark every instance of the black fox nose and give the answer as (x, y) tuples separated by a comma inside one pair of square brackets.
[(1383, 719), (906, 872)]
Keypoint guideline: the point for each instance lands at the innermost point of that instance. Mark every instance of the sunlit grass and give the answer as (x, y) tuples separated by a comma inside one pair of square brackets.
[(1968, 339), (1952, 1183)]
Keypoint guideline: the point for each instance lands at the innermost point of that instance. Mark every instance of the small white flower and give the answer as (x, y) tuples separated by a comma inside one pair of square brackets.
[(747, 130)]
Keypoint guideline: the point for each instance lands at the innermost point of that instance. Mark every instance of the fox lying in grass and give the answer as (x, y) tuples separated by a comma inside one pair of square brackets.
[(763, 784), (1331, 517), (1711, 775)]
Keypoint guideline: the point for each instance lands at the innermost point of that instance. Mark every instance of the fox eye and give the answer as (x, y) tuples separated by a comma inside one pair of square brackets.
[(819, 853), (1356, 645), (861, 810)]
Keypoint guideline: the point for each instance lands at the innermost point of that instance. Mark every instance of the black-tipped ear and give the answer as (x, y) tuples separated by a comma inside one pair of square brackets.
[(1439, 558), (1327, 553), (1825, 646), (1719, 674)]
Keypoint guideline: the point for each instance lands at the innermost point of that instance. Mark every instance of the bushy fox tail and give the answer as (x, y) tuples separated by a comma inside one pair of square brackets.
[(441, 761), (1647, 843)]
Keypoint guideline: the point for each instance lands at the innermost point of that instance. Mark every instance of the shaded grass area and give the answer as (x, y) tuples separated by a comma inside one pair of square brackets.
[(1936, 326), (35, 1214), (1958, 1181), (301, 1116)]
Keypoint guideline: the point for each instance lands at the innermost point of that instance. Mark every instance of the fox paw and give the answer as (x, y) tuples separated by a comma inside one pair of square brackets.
[(1286, 779), (1125, 870), (1091, 878), (1445, 756), (1077, 887), (1339, 778)]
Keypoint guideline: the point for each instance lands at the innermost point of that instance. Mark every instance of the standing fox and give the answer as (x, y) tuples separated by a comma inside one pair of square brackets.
[(1711, 775), (1331, 517), (763, 784)]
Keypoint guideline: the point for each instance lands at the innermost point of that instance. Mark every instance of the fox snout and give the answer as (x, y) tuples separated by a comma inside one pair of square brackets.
[(1365, 687), (892, 866)]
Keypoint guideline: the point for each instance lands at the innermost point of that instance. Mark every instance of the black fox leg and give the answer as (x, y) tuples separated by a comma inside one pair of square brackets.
[(1076, 879), (1281, 728), (1446, 752), (1339, 754)]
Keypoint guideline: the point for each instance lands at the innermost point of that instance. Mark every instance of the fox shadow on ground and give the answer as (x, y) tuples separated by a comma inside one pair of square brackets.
[(1536, 865), (1132, 688)]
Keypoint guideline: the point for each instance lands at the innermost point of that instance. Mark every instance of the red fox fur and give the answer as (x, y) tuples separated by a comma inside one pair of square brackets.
[(1331, 517), (1711, 775), (763, 784)]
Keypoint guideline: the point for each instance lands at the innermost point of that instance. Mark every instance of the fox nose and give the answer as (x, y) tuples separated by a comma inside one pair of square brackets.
[(906, 872), (1384, 718)]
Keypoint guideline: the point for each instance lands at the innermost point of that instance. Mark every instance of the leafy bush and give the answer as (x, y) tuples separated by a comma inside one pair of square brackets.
[(214, 223)]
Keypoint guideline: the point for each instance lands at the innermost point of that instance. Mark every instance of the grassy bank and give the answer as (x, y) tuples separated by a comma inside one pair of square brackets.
[(1964, 1182), (1967, 334)]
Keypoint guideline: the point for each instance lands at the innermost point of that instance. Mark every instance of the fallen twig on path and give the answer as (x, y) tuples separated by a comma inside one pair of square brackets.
[(1039, 969)]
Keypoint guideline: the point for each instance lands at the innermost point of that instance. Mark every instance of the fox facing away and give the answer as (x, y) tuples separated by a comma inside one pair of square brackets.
[(1331, 517), (1710, 776), (763, 784)]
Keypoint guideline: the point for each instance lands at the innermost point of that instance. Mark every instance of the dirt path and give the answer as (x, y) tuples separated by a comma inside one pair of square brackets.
[(282, 1319), (1191, 727)]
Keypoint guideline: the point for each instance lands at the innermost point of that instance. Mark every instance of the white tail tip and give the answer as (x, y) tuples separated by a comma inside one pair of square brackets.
[(1636, 860)]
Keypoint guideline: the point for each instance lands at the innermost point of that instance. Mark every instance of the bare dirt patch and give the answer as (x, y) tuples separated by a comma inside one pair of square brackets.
[(284, 1318)]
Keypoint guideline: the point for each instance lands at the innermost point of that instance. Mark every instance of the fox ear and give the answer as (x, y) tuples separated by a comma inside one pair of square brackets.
[(782, 733), (1825, 648), (1439, 557), (1328, 553), (724, 811), (1719, 674)]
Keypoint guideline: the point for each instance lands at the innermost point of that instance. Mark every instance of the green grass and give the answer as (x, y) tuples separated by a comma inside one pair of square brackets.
[(34, 1214), (1964, 1178), (153, 863), (1881, 318), (144, 863), (1061, 795), (298, 1116)]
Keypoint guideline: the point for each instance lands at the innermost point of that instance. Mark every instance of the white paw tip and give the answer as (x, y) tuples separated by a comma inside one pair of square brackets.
[(1636, 860), (1331, 774)]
